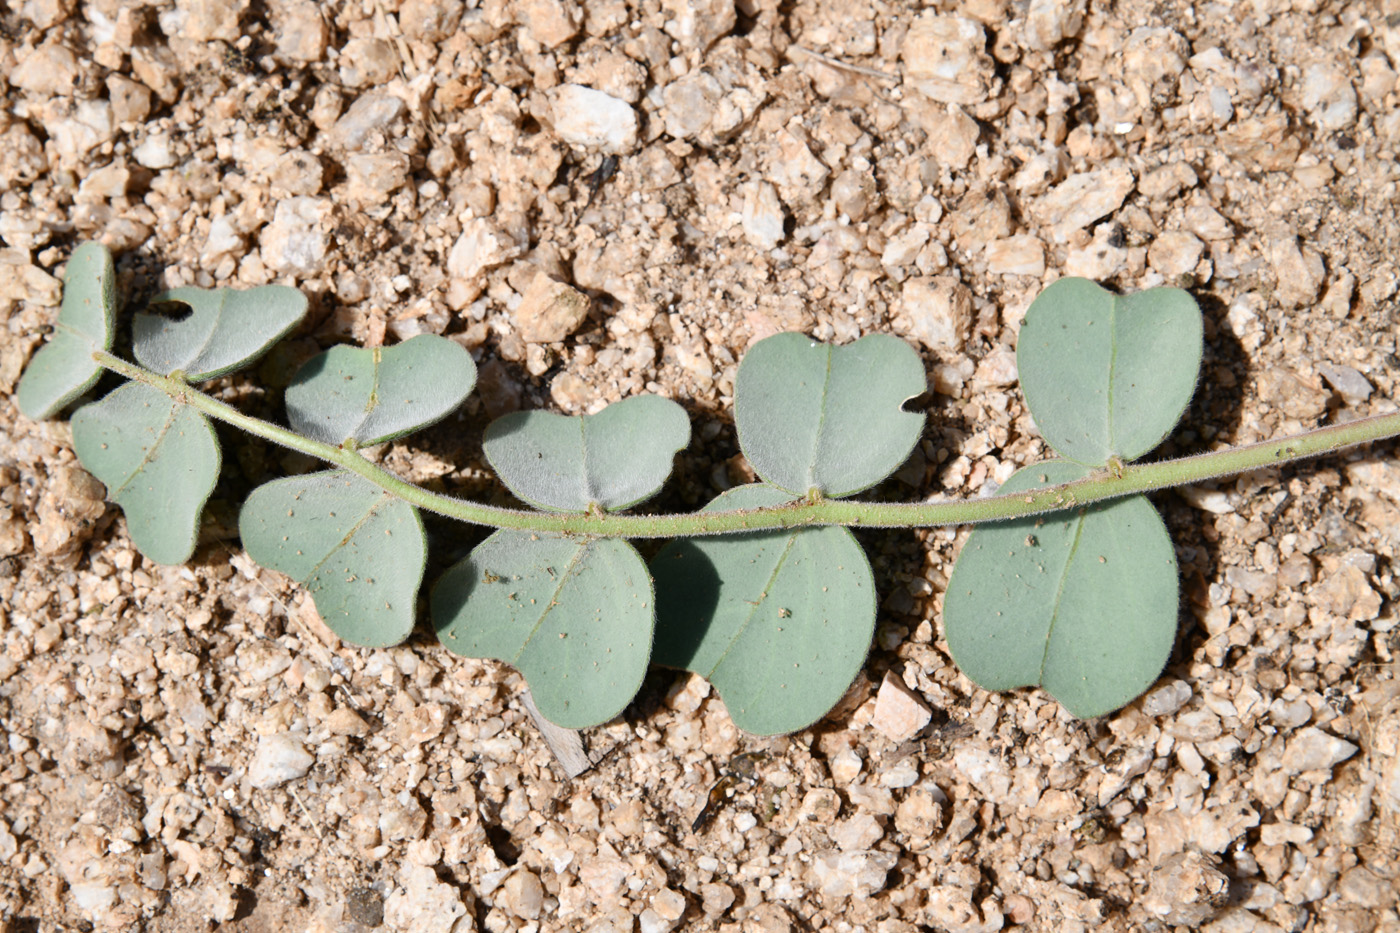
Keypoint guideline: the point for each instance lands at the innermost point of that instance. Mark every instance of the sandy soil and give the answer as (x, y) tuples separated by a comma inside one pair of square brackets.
[(729, 171)]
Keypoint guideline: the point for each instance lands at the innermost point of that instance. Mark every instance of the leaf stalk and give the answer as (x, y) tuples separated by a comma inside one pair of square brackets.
[(1106, 484)]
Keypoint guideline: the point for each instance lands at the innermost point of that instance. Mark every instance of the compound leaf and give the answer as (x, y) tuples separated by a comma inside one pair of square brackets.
[(369, 396), (1080, 602), (159, 460), (615, 458), (811, 415), (358, 550), (225, 329), (779, 621), (1108, 375), (64, 369), (574, 615)]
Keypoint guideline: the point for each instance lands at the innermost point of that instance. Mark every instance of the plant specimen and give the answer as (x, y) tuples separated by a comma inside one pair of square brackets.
[(1071, 585)]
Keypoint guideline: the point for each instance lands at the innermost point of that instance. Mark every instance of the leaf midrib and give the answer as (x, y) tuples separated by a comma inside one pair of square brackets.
[(1059, 595), (552, 602), (755, 606)]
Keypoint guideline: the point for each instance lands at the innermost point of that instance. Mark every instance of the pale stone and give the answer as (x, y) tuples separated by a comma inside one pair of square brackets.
[(370, 113), (207, 20), (1100, 259), (550, 311), (945, 60), (763, 216), (698, 24), (345, 721), (591, 119), (716, 898), (899, 713), (1166, 699), (688, 104), (795, 169), (939, 310), (852, 874), (858, 833), (1175, 253), (523, 894), (131, 100), (551, 23), (48, 71), (1022, 254), (1083, 198), (430, 20), (425, 903), (952, 136), (294, 242), (368, 63), (1207, 223), (374, 176), (1328, 95), (155, 152), (1311, 749), (1299, 272), (855, 193), (1049, 22), (278, 759), (1187, 889), (301, 32), (1353, 386)]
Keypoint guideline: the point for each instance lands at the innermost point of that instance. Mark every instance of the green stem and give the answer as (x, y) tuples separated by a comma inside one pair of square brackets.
[(1144, 477)]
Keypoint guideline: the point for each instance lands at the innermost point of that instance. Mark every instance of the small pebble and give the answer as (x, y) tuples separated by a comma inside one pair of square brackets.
[(939, 310), (899, 713), (591, 119), (1311, 749), (278, 759)]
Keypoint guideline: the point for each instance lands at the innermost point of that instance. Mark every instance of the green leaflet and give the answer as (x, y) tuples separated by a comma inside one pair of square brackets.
[(159, 460), (357, 550), (1081, 602), (64, 369), (780, 622), (371, 396), (1107, 375), (226, 329), (615, 458), (814, 416), (574, 615)]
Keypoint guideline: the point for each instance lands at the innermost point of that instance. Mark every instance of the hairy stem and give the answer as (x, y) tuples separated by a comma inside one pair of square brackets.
[(1107, 484)]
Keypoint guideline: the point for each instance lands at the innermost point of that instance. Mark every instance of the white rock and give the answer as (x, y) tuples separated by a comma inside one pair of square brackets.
[(1083, 198), (1328, 96), (763, 215), (1207, 223), (593, 120), (523, 894), (1207, 500), (1311, 749), (424, 903), (1299, 272), (301, 31), (698, 24), (939, 310), (1353, 386), (48, 71), (903, 248), (1048, 22), (279, 758), (369, 113), (858, 833), (206, 20), (852, 874), (845, 766), (1175, 253), (1099, 259), (688, 104), (1166, 699), (480, 247), (899, 713), (550, 310), (945, 60), (155, 152), (551, 23), (75, 130), (1022, 254), (368, 63), (795, 169), (294, 242)]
